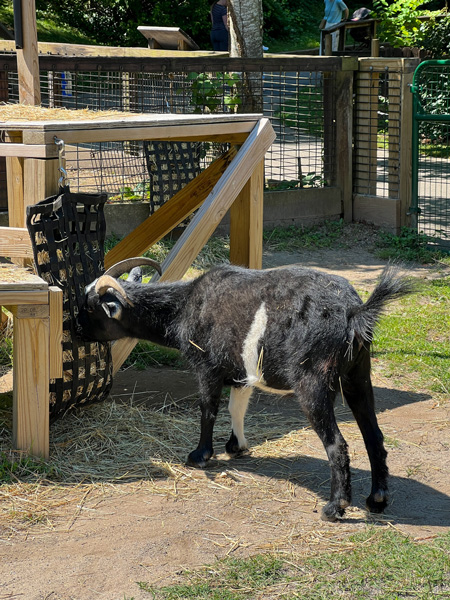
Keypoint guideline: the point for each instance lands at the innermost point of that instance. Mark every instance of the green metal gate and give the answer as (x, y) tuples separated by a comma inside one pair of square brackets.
[(430, 205)]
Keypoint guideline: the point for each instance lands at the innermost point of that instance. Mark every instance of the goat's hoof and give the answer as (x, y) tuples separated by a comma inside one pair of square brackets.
[(198, 459), (232, 447), (331, 512), (377, 502)]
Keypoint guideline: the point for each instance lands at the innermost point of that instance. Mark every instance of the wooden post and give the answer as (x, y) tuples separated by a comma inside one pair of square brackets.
[(344, 130), (31, 379), (27, 58), (40, 180), (14, 178), (246, 222)]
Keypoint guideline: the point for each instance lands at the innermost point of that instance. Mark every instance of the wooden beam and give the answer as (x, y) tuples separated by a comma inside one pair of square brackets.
[(30, 385), (29, 151), (14, 180), (246, 222), (27, 58), (40, 181), (15, 242), (170, 214), (55, 299), (219, 201)]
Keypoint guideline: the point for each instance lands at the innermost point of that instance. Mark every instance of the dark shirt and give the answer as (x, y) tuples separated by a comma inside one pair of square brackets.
[(217, 12)]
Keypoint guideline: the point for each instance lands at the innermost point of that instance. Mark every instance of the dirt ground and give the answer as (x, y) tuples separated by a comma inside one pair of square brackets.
[(115, 536)]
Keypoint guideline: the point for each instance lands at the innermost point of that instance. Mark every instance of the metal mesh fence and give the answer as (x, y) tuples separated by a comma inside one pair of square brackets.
[(377, 133), (293, 100), (432, 89)]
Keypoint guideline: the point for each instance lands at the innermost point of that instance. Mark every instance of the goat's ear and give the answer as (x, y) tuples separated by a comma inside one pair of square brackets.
[(113, 310), (135, 275)]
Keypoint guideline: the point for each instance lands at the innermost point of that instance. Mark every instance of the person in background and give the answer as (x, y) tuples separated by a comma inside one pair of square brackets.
[(219, 28), (335, 12)]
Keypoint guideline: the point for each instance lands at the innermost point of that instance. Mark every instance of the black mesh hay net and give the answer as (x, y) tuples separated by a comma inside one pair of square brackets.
[(67, 233)]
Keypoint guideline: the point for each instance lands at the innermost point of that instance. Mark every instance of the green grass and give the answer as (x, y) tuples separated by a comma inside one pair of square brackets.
[(408, 246), (16, 467), (412, 341), (379, 564)]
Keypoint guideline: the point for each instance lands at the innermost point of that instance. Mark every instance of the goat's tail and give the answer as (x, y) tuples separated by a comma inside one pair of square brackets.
[(363, 318)]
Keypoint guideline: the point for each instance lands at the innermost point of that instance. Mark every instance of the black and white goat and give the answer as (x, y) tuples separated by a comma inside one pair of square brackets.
[(291, 330)]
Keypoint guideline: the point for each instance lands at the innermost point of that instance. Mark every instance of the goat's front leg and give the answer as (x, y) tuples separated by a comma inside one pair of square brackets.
[(210, 393), (317, 401), (239, 399)]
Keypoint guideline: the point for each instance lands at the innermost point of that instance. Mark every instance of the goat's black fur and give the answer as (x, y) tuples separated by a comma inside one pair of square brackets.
[(309, 331)]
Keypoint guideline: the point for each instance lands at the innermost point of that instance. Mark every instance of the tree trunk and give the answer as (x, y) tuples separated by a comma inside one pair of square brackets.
[(245, 24)]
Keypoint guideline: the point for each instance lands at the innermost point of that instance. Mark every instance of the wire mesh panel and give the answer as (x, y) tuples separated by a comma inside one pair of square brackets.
[(431, 153), (298, 101), (377, 132)]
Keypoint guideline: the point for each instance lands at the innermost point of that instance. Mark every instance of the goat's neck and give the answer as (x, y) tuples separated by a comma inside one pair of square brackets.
[(156, 308)]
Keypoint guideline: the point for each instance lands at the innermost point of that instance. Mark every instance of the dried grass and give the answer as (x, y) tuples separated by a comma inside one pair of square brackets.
[(116, 447), (23, 112)]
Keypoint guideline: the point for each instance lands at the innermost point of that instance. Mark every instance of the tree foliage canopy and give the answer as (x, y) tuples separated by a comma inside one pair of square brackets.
[(115, 22)]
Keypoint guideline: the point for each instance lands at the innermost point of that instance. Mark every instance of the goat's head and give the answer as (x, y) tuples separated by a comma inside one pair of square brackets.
[(107, 301)]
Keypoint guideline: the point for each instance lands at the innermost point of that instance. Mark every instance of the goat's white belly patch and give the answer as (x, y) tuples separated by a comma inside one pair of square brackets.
[(252, 358)]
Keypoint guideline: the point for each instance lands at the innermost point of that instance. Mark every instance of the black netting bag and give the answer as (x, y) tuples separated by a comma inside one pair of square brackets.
[(67, 233)]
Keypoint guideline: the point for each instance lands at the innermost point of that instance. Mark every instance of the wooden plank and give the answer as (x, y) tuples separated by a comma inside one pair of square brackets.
[(171, 213), (40, 181), (31, 386), (246, 222), (23, 150), (148, 129), (15, 242), (384, 212), (219, 201), (55, 298), (22, 296), (30, 311), (14, 179), (169, 38), (27, 58)]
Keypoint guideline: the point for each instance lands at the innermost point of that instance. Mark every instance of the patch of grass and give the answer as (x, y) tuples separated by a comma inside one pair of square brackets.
[(412, 340), (409, 246), (290, 239), (378, 563), (14, 467)]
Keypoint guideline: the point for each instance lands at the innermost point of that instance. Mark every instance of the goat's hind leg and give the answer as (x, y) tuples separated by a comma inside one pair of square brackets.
[(210, 393), (358, 393), (239, 399), (317, 402)]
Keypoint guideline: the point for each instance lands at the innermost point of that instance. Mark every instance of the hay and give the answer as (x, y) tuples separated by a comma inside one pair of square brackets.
[(117, 447), (24, 112)]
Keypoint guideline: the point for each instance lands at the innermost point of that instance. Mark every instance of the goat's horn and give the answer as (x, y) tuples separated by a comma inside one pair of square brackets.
[(106, 282), (126, 265)]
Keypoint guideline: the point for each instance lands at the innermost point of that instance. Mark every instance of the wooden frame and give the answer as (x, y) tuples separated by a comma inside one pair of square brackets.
[(234, 183), (37, 342)]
